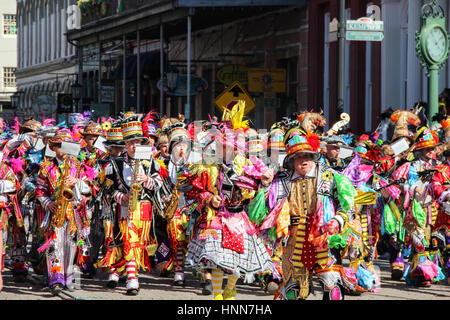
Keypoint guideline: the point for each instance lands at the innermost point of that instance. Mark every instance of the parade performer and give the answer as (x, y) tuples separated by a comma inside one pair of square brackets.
[(396, 198), (408, 234), (22, 154), (132, 188), (104, 202), (10, 213), (179, 148), (37, 259), (223, 239), (91, 156), (319, 204), (441, 228), (362, 250), (162, 148), (330, 157), (62, 189), (164, 255), (422, 269), (149, 129)]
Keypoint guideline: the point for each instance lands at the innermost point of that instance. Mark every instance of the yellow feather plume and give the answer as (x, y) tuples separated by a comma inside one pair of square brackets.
[(236, 116)]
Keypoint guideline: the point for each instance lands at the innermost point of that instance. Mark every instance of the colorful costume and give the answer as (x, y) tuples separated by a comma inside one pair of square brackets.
[(10, 214), (317, 225), (132, 228), (63, 231), (223, 239)]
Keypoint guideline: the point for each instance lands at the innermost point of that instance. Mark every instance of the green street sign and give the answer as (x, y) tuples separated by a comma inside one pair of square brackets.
[(364, 24), (364, 36)]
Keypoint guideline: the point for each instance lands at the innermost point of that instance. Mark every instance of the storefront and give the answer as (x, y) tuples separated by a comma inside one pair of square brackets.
[(269, 35)]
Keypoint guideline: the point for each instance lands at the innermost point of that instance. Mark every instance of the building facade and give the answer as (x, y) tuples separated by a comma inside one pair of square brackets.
[(197, 39), (46, 60), (124, 51), (378, 75), (8, 56)]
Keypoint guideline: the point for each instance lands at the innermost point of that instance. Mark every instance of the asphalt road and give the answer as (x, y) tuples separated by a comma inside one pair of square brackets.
[(155, 287)]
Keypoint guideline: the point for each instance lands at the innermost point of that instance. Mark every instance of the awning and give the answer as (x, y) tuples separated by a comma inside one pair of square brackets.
[(238, 3), (149, 66)]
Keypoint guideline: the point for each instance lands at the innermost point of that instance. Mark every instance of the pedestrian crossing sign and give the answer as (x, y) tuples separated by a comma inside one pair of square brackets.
[(231, 95)]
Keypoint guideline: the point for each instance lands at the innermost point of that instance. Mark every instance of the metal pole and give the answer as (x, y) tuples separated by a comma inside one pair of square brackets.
[(79, 107), (188, 87), (138, 73), (99, 99), (433, 92), (124, 75), (161, 68), (341, 60)]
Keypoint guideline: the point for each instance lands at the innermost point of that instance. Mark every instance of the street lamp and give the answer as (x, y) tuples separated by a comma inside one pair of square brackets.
[(172, 78), (15, 98), (76, 92)]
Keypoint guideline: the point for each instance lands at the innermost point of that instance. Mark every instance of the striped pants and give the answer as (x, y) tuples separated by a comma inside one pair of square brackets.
[(60, 257)]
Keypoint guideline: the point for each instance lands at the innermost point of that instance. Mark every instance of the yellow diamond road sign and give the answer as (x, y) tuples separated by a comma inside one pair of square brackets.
[(232, 95)]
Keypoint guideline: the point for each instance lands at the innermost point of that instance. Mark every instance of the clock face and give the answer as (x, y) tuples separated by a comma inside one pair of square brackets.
[(436, 44)]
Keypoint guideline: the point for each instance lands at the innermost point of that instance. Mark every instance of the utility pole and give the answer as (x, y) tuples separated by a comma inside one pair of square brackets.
[(341, 60)]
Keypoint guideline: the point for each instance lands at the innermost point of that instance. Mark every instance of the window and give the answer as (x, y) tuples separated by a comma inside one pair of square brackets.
[(9, 24), (9, 77), (288, 100)]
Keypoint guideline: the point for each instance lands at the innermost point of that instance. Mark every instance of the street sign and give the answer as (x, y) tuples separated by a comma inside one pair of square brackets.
[(230, 96), (333, 30), (364, 29), (266, 80), (364, 36), (233, 72), (364, 24), (268, 102)]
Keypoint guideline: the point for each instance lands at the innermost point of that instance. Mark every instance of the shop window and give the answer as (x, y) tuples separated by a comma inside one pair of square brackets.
[(289, 99)]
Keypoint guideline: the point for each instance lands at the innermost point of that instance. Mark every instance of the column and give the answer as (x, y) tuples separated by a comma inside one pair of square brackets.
[(34, 33), (59, 35), (99, 73), (20, 24), (124, 74), (138, 73), (187, 110), (390, 56), (80, 77), (38, 32), (161, 67), (63, 13), (47, 31), (413, 73)]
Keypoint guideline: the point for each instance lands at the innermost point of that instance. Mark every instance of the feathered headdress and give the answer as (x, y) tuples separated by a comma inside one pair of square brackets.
[(150, 117), (236, 115), (47, 122), (15, 125)]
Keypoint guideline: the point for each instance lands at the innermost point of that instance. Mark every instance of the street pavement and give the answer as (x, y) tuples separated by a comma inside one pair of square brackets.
[(155, 287)]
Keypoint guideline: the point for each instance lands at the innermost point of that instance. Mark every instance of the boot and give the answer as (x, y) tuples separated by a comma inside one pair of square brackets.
[(229, 294), (132, 287), (56, 289), (207, 287), (113, 279), (178, 279)]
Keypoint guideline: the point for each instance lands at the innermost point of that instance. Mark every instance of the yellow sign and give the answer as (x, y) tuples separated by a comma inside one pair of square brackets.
[(233, 72), (266, 80), (232, 95)]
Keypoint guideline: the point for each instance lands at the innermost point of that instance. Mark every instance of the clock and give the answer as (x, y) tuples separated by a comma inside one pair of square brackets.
[(436, 43)]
